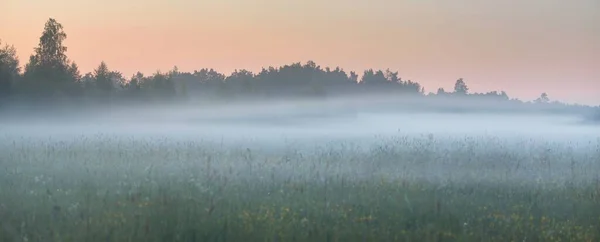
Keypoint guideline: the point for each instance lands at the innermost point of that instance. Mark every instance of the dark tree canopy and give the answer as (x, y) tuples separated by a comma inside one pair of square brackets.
[(9, 69), (460, 87), (49, 71)]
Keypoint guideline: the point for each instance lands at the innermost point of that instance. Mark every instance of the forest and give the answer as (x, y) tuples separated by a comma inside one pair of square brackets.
[(50, 78)]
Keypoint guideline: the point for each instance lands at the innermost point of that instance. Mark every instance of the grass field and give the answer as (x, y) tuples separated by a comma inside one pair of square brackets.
[(407, 188)]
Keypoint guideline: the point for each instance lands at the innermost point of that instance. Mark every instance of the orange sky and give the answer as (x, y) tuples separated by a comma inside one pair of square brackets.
[(523, 47)]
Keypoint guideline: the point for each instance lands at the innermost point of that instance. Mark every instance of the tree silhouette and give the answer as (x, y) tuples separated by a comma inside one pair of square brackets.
[(441, 92), (9, 69), (372, 77), (160, 86), (241, 82), (50, 74), (103, 79), (133, 87), (543, 98), (49, 71), (460, 87)]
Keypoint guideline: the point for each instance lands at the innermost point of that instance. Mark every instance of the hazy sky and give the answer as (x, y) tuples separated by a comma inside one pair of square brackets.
[(523, 47)]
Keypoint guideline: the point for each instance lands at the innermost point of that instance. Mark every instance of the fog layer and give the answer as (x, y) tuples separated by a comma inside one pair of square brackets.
[(301, 121)]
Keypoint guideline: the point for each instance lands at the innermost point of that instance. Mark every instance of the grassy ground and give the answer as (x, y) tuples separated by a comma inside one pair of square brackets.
[(108, 188)]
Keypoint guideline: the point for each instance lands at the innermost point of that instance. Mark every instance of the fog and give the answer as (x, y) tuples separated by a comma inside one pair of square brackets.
[(307, 156), (434, 146), (310, 122)]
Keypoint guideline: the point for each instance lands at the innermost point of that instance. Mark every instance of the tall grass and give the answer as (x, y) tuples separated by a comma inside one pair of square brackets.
[(407, 188)]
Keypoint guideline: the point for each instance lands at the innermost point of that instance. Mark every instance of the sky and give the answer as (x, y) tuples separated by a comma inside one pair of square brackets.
[(522, 47)]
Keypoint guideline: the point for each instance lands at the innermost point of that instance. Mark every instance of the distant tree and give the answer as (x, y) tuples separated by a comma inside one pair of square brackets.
[(74, 73), (133, 87), (174, 72), (208, 81), (159, 85), (372, 77), (460, 87), (412, 87), (103, 79), (353, 77), (392, 77), (441, 91), (334, 77), (543, 98), (49, 71), (117, 80), (88, 81), (209, 76), (9, 69), (135, 81), (241, 82)]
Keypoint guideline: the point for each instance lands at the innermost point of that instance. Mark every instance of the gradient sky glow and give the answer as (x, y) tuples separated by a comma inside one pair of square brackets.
[(522, 47)]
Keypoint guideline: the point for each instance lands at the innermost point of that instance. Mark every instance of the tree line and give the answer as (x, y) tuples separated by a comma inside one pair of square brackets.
[(49, 75)]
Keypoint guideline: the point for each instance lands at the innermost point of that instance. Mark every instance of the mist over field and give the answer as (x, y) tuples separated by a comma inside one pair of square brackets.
[(301, 169), (304, 126), (291, 153), (317, 120)]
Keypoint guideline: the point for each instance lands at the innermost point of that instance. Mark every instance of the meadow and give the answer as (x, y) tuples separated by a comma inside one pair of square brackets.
[(403, 187)]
